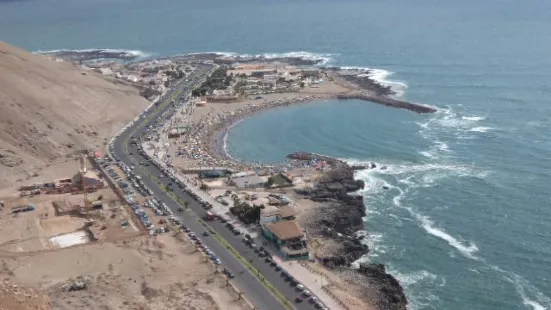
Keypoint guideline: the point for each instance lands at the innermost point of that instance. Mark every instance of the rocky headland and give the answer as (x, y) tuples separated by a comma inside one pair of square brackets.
[(93, 54), (339, 219)]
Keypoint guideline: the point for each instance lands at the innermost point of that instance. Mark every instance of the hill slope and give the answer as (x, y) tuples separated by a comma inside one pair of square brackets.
[(50, 109)]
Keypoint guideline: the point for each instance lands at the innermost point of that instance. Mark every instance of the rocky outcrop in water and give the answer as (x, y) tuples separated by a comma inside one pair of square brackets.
[(339, 219), (392, 296), (93, 54)]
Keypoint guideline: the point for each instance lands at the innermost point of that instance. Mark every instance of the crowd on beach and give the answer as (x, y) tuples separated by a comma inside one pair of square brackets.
[(205, 139)]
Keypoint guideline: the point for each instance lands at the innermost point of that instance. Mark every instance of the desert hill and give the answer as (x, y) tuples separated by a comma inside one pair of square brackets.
[(50, 109)]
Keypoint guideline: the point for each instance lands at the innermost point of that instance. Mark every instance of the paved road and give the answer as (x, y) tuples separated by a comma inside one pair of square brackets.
[(259, 295)]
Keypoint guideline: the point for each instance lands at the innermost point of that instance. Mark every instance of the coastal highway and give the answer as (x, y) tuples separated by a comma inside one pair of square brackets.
[(248, 283)]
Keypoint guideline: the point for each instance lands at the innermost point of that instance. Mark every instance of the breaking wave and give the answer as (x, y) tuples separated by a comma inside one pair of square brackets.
[(537, 300), (449, 120), (380, 76), (462, 247), (473, 118), (480, 129), (411, 176), (320, 58)]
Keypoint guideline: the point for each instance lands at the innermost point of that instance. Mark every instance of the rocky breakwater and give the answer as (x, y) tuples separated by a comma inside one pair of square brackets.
[(338, 219), (389, 101)]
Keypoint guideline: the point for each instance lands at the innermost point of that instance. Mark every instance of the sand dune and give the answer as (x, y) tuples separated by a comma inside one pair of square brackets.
[(49, 109)]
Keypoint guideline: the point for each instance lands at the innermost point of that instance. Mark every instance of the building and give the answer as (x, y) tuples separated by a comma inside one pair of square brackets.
[(286, 213), (90, 179), (250, 181), (288, 238), (273, 214), (280, 180), (269, 214)]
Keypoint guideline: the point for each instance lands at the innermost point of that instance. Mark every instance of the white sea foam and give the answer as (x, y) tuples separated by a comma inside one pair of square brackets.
[(136, 53), (413, 277), (380, 76), (467, 250), (448, 118), (447, 170), (428, 225), (480, 129), (537, 300), (323, 59), (436, 150), (473, 118), (414, 176), (372, 183), (409, 280)]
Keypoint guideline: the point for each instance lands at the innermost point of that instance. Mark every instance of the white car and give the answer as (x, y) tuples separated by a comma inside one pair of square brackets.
[(300, 287)]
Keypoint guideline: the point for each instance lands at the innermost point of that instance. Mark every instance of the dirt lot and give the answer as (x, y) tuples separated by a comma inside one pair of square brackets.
[(164, 272), (32, 231)]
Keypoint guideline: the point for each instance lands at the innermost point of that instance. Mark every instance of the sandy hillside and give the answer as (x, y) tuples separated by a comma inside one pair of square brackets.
[(49, 109), (163, 273)]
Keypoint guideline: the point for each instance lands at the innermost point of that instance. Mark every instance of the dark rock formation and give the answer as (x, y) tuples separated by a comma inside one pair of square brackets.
[(390, 102), (339, 218), (392, 296), (93, 54)]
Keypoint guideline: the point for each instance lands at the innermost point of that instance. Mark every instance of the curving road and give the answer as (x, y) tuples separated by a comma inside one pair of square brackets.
[(128, 153)]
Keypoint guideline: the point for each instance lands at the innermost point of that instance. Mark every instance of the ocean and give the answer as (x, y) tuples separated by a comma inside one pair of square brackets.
[(466, 221)]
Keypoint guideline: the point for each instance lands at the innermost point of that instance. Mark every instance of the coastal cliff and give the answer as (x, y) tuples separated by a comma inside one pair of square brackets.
[(339, 219)]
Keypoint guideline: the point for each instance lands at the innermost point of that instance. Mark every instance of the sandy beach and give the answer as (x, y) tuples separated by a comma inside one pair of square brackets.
[(205, 142)]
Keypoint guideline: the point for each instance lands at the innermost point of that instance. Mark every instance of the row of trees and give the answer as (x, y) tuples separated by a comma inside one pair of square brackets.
[(246, 213)]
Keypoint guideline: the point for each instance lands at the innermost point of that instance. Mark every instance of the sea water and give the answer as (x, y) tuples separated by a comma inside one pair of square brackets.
[(466, 221)]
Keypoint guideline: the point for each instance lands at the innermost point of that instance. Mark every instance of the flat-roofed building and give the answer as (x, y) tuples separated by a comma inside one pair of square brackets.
[(251, 181), (288, 238)]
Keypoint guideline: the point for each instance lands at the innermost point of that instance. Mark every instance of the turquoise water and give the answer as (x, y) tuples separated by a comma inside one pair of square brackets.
[(466, 223)]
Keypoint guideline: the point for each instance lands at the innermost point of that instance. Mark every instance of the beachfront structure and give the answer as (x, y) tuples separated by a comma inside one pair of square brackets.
[(288, 238), (249, 181), (280, 180), (273, 214), (268, 214)]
